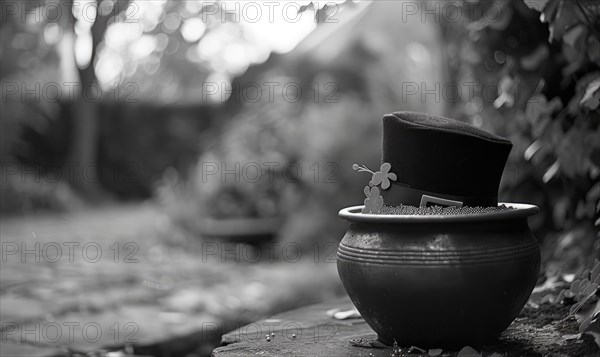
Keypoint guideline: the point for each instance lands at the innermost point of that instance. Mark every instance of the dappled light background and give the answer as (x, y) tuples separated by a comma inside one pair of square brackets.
[(192, 124)]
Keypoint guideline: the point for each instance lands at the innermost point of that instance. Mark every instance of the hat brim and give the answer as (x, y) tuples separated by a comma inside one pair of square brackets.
[(519, 210)]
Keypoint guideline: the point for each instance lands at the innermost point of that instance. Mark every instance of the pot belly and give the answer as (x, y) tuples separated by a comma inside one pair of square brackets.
[(443, 288)]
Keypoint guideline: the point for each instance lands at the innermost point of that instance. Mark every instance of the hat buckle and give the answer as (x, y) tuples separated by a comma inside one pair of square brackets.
[(426, 200)]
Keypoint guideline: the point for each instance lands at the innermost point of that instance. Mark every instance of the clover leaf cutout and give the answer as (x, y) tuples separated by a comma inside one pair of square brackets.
[(383, 176), (374, 201)]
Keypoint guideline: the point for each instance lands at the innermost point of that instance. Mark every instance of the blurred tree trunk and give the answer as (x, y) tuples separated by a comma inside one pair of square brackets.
[(83, 152), (84, 145)]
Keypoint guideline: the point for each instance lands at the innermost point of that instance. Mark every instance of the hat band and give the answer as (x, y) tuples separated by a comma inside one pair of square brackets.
[(399, 194)]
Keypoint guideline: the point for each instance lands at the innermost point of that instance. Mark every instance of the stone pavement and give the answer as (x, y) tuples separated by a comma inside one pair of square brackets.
[(124, 280), (539, 330)]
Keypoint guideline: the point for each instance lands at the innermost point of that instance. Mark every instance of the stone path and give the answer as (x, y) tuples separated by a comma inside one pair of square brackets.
[(125, 281), (309, 331)]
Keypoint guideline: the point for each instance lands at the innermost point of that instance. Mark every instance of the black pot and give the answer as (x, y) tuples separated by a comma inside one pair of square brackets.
[(439, 281)]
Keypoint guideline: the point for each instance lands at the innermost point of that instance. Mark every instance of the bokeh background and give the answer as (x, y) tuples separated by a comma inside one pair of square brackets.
[(193, 127)]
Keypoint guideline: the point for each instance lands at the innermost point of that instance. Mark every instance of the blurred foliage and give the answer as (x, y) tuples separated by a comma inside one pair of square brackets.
[(301, 170), (582, 296), (537, 69), (313, 140), (532, 81), (44, 44), (584, 290), (25, 54), (526, 70)]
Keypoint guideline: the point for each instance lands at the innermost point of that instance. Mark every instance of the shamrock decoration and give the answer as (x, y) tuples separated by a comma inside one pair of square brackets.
[(383, 176), (373, 202)]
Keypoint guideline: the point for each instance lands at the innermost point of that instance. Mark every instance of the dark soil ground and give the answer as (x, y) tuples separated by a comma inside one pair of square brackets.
[(545, 330)]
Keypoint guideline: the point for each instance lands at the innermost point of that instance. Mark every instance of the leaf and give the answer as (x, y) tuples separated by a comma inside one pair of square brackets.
[(502, 14), (377, 344), (585, 318), (303, 8), (573, 49), (377, 205), (550, 298), (367, 206), (347, 314), (374, 192), (567, 16), (537, 5), (580, 304), (593, 49), (594, 330), (561, 15), (533, 305), (506, 92), (552, 170), (595, 273), (594, 193), (377, 178), (574, 336), (549, 284), (435, 352), (468, 351), (591, 98), (575, 286), (590, 289), (415, 348), (532, 61), (584, 284), (538, 130), (374, 202), (560, 297), (538, 112), (385, 184), (548, 13), (575, 38)]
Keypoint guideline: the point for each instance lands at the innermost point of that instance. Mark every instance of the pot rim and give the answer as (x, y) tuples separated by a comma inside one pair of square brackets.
[(520, 210)]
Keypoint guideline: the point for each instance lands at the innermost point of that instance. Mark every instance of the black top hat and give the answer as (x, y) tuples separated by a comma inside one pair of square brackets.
[(440, 161)]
